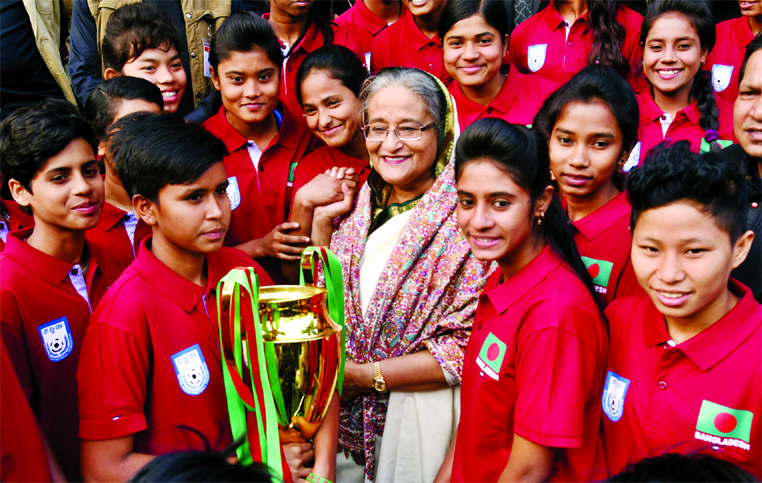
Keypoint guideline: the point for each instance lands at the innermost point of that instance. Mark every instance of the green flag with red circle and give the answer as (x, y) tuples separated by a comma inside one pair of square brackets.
[(723, 421), (493, 352), (599, 270)]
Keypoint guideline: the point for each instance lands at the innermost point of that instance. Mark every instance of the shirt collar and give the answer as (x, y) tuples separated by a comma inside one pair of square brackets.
[(502, 103), (175, 287), (601, 219), (650, 111), (417, 38), (50, 268), (219, 125), (373, 23), (513, 289), (16, 217), (745, 34), (110, 216), (716, 342), (554, 19)]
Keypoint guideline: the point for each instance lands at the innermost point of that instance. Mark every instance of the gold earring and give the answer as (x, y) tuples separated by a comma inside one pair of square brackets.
[(542, 217)]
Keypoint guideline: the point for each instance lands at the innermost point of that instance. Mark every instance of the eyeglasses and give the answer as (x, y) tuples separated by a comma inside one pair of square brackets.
[(376, 133)]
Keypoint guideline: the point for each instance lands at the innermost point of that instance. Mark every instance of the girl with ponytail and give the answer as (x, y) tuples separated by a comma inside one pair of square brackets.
[(677, 36), (568, 35), (301, 28), (534, 364)]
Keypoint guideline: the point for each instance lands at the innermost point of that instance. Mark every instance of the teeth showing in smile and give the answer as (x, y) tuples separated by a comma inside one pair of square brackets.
[(395, 158), (669, 72), (671, 295), (168, 94)]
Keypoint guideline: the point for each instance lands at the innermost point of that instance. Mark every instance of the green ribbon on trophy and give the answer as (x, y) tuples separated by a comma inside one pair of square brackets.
[(288, 339)]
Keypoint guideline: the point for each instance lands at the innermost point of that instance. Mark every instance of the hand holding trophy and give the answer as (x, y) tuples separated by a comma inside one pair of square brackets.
[(284, 354)]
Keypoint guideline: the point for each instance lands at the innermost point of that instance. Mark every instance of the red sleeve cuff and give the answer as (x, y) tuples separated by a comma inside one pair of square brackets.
[(112, 429), (548, 440)]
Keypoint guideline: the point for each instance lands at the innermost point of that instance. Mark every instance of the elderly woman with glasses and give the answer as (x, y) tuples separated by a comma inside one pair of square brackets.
[(411, 284)]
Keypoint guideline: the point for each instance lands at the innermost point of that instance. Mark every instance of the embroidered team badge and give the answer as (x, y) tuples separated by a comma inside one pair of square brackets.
[(600, 272), (632, 161), (491, 356), (724, 426), (234, 194), (57, 339), (536, 56), (614, 393), (721, 75), (191, 370)]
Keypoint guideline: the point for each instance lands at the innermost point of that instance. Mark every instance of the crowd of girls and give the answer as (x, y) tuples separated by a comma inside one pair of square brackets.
[(536, 229)]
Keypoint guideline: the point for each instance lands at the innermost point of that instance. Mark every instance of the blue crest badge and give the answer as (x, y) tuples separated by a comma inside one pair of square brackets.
[(57, 339), (721, 75), (191, 370), (234, 194), (614, 393), (536, 56)]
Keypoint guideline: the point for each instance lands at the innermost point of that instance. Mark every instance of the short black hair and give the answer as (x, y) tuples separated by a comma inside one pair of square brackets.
[(103, 103), (677, 467), (672, 173), (243, 32), (753, 46), (199, 466), (339, 63), (134, 28), (30, 136), (151, 151)]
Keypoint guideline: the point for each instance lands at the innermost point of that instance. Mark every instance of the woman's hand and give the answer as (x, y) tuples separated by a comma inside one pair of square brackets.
[(277, 244), (324, 189), (358, 379)]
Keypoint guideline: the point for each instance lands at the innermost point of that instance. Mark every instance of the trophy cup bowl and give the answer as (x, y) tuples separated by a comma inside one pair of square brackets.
[(306, 344)]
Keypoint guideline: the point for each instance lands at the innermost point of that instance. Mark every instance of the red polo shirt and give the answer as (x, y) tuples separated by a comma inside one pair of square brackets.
[(22, 450), (540, 45), (44, 320), (704, 394), (685, 126), (111, 232), (724, 61), (365, 25), (322, 159), (13, 219), (312, 40), (603, 239), (256, 211), (168, 327), (404, 45), (534, 367), (517, 102)]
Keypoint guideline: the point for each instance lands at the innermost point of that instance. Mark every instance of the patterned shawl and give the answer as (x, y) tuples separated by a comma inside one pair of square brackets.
[(425, 298)]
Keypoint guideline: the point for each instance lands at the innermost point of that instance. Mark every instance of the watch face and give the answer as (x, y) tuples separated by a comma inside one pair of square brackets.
[(379, 386)]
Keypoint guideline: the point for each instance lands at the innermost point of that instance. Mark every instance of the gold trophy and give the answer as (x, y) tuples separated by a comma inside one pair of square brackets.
[(294, 356)]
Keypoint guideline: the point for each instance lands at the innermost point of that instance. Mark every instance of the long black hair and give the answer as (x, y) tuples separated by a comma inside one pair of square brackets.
[(493, 12), (514, 149), (700, 17), (339, 62), (592, 83), (242, 32), (608, 36)]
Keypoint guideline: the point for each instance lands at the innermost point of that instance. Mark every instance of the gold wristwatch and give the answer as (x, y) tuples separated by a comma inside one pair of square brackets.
[(379, 384)]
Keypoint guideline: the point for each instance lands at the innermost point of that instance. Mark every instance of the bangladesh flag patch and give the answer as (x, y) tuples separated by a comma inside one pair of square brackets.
[(724, 426), (491, 356), (600, 272)]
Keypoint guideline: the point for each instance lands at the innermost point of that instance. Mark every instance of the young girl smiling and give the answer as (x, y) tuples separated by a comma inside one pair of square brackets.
[(590, 126), (677, 35), (534, 364), (474, 36)]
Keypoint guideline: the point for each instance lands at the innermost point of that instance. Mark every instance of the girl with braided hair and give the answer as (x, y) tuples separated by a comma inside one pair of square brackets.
[(677, 36)]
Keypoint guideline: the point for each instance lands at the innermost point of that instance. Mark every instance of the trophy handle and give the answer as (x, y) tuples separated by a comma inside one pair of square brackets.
[(307, 276)]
